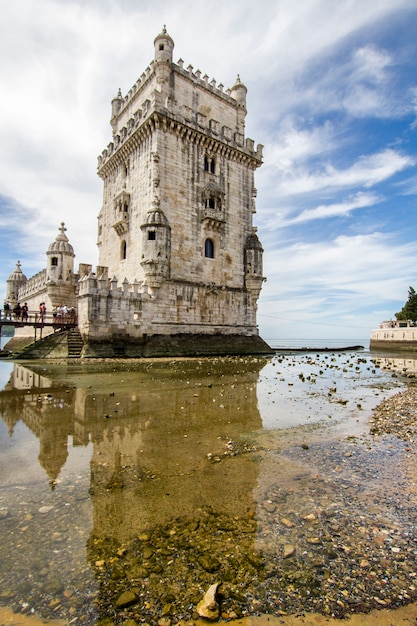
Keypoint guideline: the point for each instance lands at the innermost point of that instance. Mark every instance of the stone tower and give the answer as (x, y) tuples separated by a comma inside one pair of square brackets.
[(175, 234)]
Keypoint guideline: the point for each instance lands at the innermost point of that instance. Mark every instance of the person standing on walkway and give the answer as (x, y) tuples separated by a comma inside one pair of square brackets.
[(25, 312)]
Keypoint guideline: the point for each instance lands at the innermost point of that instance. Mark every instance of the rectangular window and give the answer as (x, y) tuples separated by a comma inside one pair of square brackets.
[(151, 235)]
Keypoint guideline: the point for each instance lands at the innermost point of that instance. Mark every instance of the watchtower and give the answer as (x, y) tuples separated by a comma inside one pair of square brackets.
[(175, 227)]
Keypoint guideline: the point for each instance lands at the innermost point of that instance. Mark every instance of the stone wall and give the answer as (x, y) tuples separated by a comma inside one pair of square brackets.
[(404, 339)]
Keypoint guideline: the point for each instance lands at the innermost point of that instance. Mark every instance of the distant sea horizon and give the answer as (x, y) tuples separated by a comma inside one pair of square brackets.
[(287, 343)]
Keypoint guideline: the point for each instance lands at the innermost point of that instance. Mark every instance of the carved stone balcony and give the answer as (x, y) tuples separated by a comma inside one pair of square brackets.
[(122, 226), (121, 209), (213, 218)]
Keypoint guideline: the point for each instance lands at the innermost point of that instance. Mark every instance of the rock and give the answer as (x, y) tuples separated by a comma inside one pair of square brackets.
[(44, 510), (288, 523), (126, 599), (53, 586), (269, 506), (4, 513), (288, 550), (209, 562), (313, 540), (147, 553), (208, 607)]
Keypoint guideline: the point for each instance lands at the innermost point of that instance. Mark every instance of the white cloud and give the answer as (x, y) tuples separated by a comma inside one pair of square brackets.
[(325, 211), (330, 289), (366, 172)]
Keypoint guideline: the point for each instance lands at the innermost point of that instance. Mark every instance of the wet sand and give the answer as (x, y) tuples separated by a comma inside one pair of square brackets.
[(401, 617)]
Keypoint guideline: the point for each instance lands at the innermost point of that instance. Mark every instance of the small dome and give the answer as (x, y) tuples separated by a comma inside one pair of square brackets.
[(164, 36), (17, 274), (238, 84), (155, 217), (61, 243), (253, 243)]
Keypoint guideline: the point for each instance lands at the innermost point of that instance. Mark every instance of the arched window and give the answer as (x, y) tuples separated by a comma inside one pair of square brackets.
[(206, 163), (209, 249), (123, 250), (213, 166)]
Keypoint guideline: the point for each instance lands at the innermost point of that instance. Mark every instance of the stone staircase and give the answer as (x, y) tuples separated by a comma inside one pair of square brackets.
[(75, 344)]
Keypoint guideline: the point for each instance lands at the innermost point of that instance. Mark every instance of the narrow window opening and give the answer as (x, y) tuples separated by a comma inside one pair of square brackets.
[(151, 235), (212, 166), (209, 249), (123, 251), (54, 261), (211, 203), (161, 46), (206, 164)]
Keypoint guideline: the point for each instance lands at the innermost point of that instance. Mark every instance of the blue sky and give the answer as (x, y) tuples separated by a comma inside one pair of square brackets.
[(332, 95)]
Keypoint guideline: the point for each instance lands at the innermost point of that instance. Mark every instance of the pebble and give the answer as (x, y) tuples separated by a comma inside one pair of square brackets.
[(44, 510)]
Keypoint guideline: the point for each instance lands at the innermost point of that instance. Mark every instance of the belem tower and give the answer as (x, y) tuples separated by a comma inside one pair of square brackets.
[(180, 263)]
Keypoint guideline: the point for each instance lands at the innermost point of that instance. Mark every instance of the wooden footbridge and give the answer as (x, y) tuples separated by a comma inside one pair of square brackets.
[(38, 322)]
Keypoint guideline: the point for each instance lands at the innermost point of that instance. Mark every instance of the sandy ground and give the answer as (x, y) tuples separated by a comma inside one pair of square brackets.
[(401, 617)]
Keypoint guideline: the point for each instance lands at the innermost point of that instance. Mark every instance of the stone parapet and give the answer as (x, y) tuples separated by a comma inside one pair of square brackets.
[(34, 285), (107, 307)]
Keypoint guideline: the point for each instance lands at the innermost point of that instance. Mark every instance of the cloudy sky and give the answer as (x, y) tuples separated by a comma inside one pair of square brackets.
[(332, 95)]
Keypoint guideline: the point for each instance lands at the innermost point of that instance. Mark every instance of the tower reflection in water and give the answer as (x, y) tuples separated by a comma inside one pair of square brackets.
[(173, 471)]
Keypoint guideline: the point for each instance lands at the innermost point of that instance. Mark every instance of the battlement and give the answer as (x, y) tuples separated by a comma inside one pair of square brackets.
[(203, 81), (169, 90), (100, 284), (33, 285)]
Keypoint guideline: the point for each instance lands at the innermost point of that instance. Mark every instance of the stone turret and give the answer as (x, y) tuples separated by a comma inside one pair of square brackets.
[(16, 280), (60, 258), (156, 255), (238, 92), (164, 47), (253, 264), (116, 105)]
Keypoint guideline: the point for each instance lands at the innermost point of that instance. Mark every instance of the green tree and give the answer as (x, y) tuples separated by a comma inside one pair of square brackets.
[(409, 310)]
